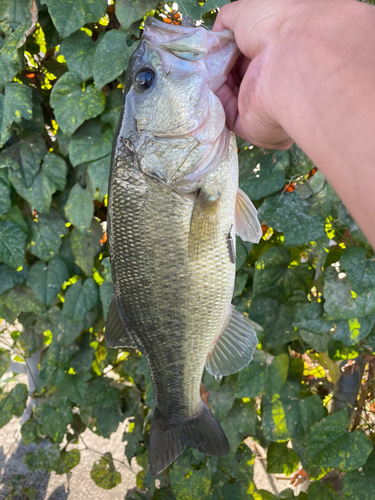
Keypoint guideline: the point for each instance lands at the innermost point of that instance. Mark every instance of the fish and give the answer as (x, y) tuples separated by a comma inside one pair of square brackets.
[(174, 208)]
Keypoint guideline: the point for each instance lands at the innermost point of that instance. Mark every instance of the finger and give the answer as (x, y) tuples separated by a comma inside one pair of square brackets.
[(225, 17), (242, 65)]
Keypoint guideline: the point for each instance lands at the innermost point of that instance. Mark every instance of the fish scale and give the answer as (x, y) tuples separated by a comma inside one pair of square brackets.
[(168, 299)]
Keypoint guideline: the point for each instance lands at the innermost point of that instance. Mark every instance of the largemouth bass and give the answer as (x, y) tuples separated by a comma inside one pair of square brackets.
[(173, 210)]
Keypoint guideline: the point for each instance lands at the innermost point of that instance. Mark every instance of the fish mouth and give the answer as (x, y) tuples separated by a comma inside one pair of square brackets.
[(192, 49)]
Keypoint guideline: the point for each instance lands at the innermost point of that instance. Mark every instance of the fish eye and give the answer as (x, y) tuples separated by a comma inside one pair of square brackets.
[(143, 79)]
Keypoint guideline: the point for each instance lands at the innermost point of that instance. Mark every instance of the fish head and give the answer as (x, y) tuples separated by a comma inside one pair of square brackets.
[(172, 117)]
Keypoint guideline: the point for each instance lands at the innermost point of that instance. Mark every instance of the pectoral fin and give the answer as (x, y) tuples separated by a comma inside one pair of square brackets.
[(248, 227), (233, 349), (204, 223), (116, 335)]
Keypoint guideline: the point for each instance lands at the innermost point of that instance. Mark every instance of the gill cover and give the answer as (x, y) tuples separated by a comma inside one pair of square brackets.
[(172, 117)]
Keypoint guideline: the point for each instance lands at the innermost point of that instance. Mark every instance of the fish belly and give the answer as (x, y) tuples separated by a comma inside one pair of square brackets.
[(175, 305)]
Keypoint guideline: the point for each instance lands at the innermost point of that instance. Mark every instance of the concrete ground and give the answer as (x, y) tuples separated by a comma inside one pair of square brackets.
[(80, 486)]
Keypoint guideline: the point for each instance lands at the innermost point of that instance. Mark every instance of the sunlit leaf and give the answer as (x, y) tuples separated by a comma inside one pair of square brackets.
[(72, 104), (72, 14)]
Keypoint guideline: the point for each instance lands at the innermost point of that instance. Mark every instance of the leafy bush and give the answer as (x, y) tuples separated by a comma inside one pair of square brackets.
[(309, 284)]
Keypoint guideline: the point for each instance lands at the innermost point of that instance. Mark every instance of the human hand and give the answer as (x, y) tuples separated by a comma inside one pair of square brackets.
[(261, 29)]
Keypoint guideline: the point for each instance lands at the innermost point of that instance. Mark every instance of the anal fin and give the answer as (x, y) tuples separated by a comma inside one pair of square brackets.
[(248, 227), (233, 349), (116, 334)]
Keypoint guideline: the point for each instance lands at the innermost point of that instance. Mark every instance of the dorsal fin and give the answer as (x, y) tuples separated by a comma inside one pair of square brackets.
[(248, 227), (116, 334), (233, 349)]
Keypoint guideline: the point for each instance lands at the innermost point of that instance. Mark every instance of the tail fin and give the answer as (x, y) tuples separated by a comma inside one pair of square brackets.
[(169, 439)]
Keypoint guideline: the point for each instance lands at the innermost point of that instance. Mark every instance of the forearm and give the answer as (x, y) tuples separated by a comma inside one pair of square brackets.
[(323, 96)]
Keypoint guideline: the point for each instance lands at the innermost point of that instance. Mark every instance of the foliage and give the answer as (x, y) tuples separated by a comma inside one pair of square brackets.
[(309, 285)]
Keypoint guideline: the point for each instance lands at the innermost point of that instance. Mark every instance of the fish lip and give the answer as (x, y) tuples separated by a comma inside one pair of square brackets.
[(160, 36)]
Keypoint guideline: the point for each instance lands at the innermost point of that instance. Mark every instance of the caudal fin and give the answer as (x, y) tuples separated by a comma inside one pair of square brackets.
[(169, 439)]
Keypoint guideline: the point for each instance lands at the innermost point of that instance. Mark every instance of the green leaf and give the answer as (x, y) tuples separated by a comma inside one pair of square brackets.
[(15, 12), (12, 403), (289, 214), (318, 491), (133, 438), (17, 105), (360, 484), (50, 177), (266, 374), (104, 473), (111, 57), (80, 299), (240, 423), (10, 277), (113, 106), (78, 50), (243, 248), (72, 14), (339, 301), (72, 387), (4, 195), (4, 361), (86, 246), (128, 12), (100, 393), (262, 174), (352, 331), (55, 415), (44, 459), (189, 484), (195, 10), (31, 431), (106, 294), (46, 234), (12, 244), (286, 415), (25, 155), (275, 318), (22, 299), (313, 329), (64, 331), (108, 420), (73, 105), (311, 318), (10, 48), (55, 169), (272, 270), (281, 460), (67, 461), (83, 359), (91, 141), (46, 279), (8, 69), (15, 215), (240, 283), (163, 494), (98, 172), (79, 208), (360, 271), (331, 445)]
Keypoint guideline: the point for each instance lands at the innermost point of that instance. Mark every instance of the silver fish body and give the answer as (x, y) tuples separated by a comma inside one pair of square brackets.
[(171, 210)]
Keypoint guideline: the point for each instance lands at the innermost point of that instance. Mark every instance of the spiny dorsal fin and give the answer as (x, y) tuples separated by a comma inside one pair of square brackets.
[(233, 349), (116, 335), (204, 223), (248, 227)]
